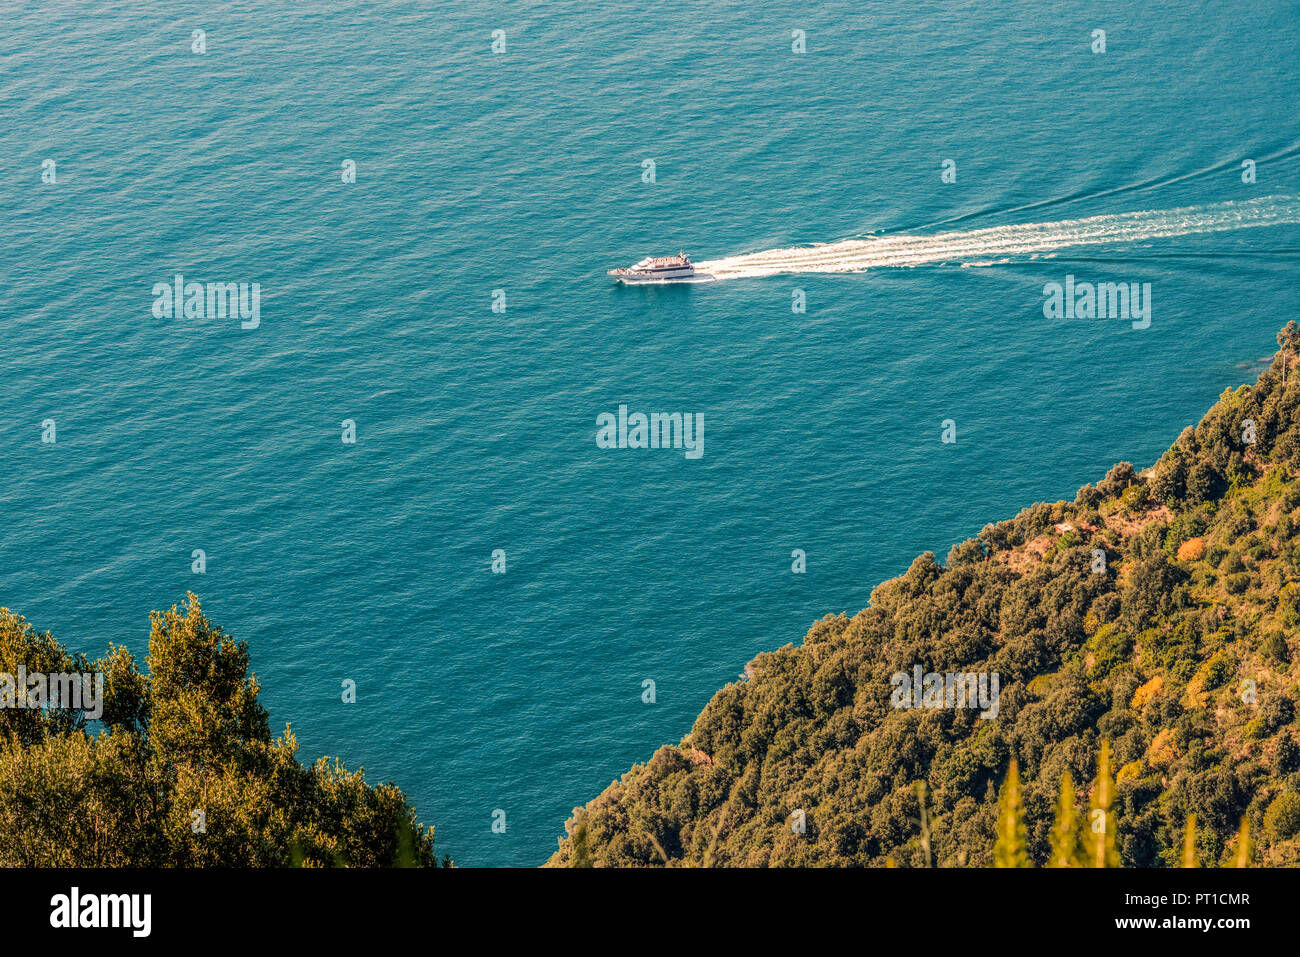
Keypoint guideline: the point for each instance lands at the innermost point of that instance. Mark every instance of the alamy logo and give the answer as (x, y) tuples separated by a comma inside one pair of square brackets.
[(1102, 300), (208, 300), (78, 691), (102, 910), (658, 430), (951, 690)]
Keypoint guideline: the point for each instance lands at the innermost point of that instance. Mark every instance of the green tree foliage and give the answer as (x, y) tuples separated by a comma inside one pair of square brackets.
[(1011, 847), (1098, 631), (181, 768)]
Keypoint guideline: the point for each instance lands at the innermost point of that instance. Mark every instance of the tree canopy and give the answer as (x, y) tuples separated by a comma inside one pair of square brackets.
[(180, 769)]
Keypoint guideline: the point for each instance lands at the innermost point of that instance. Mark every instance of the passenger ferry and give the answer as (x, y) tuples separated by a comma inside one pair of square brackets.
[(677, 268)]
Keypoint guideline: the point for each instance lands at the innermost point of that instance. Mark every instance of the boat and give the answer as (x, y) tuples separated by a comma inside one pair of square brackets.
[(677, 268)]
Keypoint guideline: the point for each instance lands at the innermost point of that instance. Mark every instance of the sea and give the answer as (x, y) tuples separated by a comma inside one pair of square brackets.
[(428, 196)]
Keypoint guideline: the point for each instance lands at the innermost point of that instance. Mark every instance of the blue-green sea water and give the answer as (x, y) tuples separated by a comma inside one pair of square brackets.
[(523, 171)]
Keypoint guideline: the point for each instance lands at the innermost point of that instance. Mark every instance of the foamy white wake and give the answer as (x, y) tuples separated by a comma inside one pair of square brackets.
[(985, 246)]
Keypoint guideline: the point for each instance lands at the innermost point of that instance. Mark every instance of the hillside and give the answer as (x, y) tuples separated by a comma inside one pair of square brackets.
[(1158, 611)]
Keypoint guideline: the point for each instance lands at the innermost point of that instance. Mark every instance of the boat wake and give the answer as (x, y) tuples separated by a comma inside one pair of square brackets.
[(999, 244)]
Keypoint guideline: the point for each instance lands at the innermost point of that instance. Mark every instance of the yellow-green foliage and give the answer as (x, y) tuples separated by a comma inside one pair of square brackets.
[(1011, 849), (1094, 849), (1065, 829), (1102, 825)]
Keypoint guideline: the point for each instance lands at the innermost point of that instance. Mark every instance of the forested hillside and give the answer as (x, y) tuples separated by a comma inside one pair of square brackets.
[(179, 769), (1159, 612)]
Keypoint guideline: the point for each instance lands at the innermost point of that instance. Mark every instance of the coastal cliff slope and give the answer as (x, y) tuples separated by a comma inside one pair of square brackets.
[(1159, 612)]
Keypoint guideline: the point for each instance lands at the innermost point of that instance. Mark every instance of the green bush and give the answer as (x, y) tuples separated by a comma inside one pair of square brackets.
[(1282, 819)]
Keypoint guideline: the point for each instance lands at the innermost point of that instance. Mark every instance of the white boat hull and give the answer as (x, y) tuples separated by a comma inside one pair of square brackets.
[(664, 280)]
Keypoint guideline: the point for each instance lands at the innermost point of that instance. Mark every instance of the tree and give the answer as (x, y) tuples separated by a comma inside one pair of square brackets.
[(1189, 843), (1120, 477), (1287, 338), (1011, 849), (1065, 829), (925, 823), (581, 850), (185, 772), (1245, 849), (1102, 850), (1282, 819)]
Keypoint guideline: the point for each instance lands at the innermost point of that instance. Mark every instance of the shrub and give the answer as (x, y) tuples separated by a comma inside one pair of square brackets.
[(1146, 693), (1282, 819), (1276, 710), (1135, 498), (1119, 478)]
